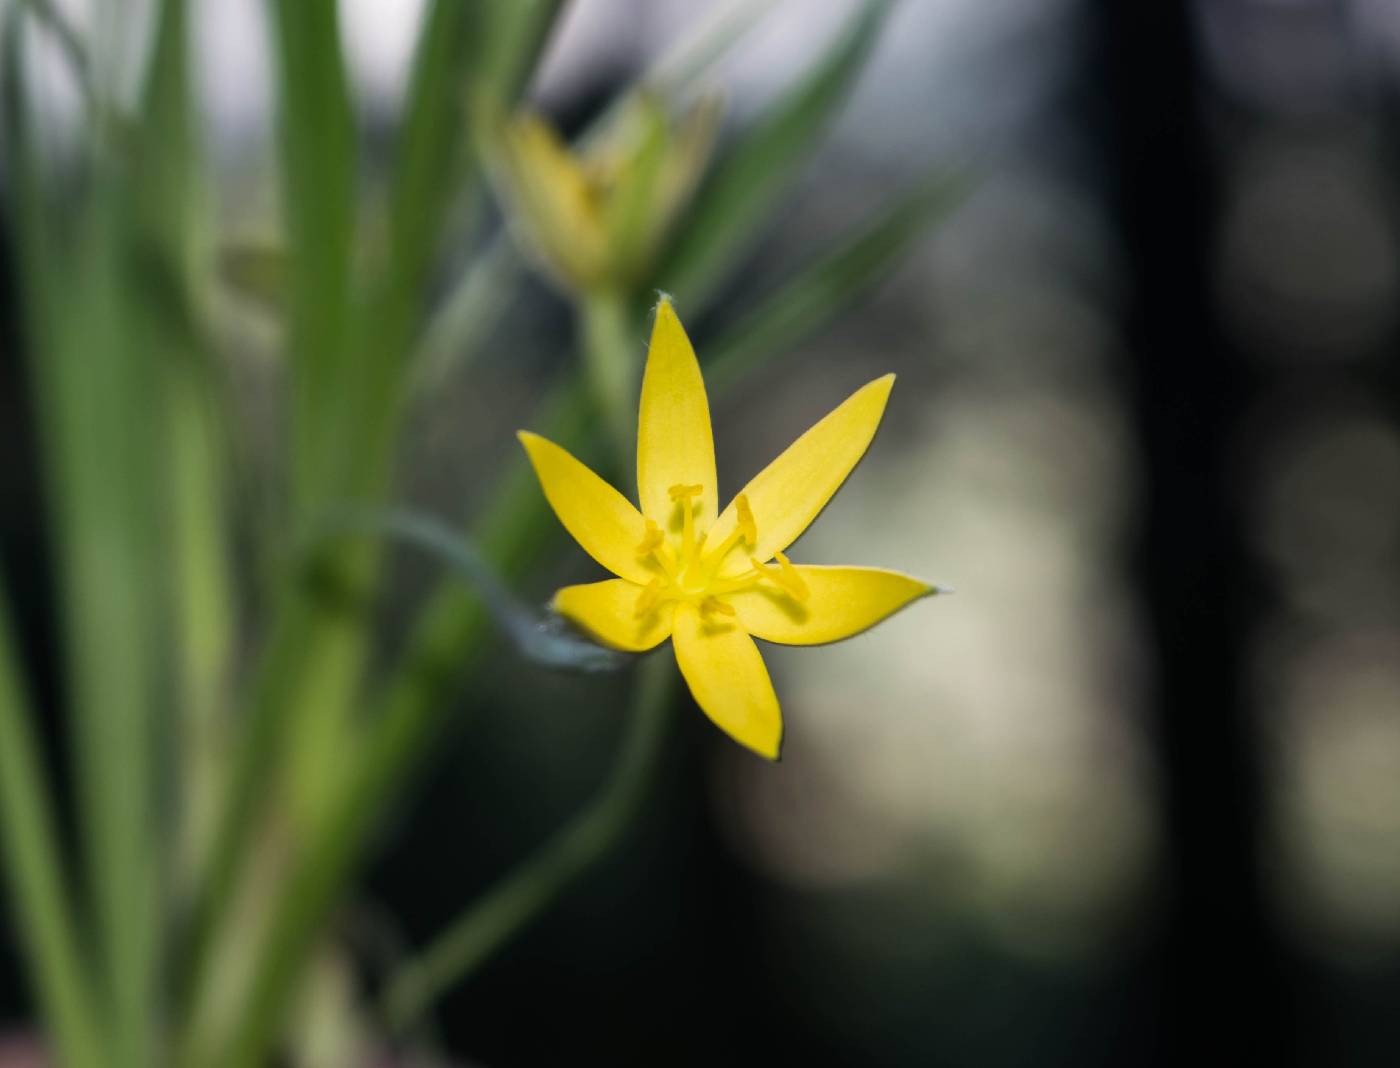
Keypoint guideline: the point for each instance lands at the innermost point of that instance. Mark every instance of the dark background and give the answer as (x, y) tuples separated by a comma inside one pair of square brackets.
[(1184, 238)]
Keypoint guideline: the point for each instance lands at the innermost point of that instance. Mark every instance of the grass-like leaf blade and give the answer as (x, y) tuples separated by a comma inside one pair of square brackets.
[(743, 186), (830, 284)]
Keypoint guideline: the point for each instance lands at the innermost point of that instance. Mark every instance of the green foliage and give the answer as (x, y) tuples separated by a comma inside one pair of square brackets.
[(35, 871), (318, 156), (255, 714), (831, 283), (38, 883), (743, 187)]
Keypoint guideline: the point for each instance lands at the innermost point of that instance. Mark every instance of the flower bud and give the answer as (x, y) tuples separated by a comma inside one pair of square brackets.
[(596, 217)]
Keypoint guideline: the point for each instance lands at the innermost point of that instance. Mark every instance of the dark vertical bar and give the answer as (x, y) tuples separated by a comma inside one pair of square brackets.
[(1223, 984)]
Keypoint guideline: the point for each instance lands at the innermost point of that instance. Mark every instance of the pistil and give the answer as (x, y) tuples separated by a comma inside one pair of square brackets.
[(682, 494), (739, 582), (692, 579)]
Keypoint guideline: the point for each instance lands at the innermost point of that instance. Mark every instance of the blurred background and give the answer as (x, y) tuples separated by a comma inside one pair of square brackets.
[(1132, 796)]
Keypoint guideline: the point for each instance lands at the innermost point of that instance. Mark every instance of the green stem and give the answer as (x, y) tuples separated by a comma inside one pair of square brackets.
[(404, 723), (611, 366), (446, 646), (39, 892), (490, 922), (406, 717), (257, 756)]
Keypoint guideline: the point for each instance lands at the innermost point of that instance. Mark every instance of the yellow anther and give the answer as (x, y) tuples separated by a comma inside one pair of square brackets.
[(711, 605), (649, 598), (680, 491), (747, 527), (651, 540), (789, 579)]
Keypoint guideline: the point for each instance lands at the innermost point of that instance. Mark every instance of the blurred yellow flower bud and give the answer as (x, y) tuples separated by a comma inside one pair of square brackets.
[(595, 218)]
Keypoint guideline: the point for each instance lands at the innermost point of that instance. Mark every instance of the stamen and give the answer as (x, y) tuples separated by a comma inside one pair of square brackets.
[(747, 527), (786, 576), (649, 598), (738, 582), (681, 491), (711, 605), (789, 579), (651, 540), (653, 544)]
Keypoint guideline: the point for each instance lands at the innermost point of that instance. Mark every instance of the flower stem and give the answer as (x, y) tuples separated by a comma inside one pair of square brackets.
[(491, 921), (611, 367)]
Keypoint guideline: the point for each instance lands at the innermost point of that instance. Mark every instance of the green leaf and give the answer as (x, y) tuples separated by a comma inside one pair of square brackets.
[(33, 868), (168, 188), (537, 636), (173, 242), (830, 285), (513, 36), (741, 190), (94, 383), (89, 302), (319, 157), (431, 137), (464, 50), (39, 889), (106, 453), (469, 313), (677, 70)]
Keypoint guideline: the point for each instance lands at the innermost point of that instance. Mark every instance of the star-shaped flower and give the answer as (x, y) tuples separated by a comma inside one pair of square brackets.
[(713, 581)]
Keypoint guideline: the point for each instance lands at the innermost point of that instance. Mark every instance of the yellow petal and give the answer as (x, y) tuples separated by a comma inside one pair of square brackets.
[(787, 494), (608, 611), (601, 520), (842, 601), (562, 181), (674, 442), (728, 679), (553, 201)]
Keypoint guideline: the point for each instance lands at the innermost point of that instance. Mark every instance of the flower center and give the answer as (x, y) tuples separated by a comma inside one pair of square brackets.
[(690, 573)]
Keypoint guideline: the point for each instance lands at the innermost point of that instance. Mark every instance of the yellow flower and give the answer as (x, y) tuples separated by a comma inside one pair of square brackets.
[(595, 219), (713, 581)]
